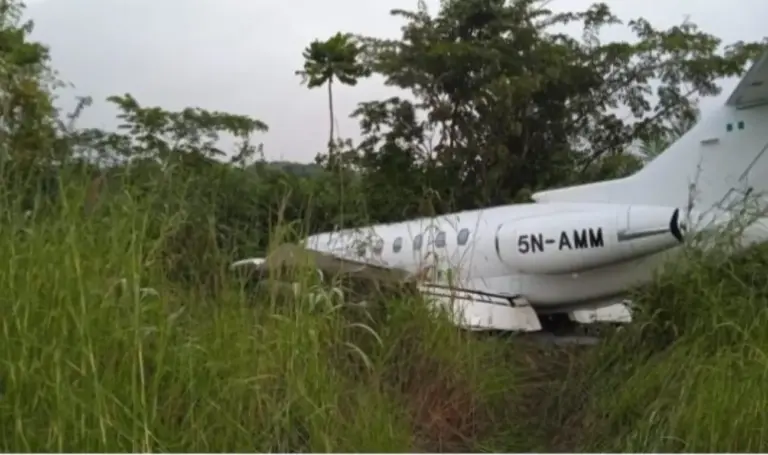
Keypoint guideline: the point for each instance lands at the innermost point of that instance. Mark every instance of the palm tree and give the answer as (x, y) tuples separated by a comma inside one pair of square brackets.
[(336, 59)]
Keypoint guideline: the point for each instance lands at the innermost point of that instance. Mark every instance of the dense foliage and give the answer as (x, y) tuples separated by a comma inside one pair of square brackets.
[(124, 330), (495, 105)]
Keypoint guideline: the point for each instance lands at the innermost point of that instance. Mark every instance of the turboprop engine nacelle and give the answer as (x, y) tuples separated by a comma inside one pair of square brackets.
[(576, 241)]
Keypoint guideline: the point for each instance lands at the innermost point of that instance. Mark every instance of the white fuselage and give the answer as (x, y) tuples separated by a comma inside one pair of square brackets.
[(555, 255), (721, 163), (585, 245)]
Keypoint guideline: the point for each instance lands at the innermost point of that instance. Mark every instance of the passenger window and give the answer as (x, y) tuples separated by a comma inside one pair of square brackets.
[(463, 236), (417, 242), (440, 240), (398, 245)]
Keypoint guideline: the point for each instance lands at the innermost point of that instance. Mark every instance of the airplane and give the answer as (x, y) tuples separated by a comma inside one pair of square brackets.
[(575, 251)]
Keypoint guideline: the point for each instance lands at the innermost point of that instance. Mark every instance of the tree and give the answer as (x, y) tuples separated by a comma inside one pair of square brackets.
[(503, 105), (225, 208), (28, 119), (335, 59), (154, 133)]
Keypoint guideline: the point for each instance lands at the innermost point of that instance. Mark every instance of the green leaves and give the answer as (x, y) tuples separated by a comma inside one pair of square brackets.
[(155, 133), (28, 117), (336, 58), (504, 104)]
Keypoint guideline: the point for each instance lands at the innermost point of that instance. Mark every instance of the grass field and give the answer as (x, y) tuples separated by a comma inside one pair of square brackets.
[(102, 351)]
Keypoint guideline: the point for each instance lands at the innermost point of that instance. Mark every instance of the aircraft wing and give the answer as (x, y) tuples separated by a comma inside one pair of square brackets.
[(472, 308), (291, 256)]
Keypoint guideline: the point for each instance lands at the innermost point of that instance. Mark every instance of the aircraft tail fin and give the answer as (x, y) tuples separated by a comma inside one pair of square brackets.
[(718, 160)]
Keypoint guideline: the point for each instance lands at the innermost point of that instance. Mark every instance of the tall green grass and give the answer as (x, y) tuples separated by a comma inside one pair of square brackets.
[(689, 375), (102, 350), (106, 347)]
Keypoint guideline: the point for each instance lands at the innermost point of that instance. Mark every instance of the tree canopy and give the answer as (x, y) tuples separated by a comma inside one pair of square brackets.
[(500, 104)]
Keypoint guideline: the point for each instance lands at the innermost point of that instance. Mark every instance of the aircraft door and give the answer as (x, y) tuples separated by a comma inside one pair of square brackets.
[(433, 253)]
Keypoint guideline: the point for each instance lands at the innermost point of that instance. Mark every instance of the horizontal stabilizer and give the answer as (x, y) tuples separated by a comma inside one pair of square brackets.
[(752, 89)]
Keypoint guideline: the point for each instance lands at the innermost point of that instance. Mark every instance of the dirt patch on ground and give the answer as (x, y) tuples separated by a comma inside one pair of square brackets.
[(449, 416), (444, 409)]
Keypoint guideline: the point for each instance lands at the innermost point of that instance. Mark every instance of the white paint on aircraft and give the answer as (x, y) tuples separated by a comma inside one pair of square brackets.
[(577, 250)]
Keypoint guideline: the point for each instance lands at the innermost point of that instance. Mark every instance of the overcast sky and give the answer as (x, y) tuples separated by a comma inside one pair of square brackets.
[(240, 55)]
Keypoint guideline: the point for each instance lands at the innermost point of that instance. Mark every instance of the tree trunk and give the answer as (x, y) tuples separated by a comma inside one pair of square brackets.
[(330, 115)]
